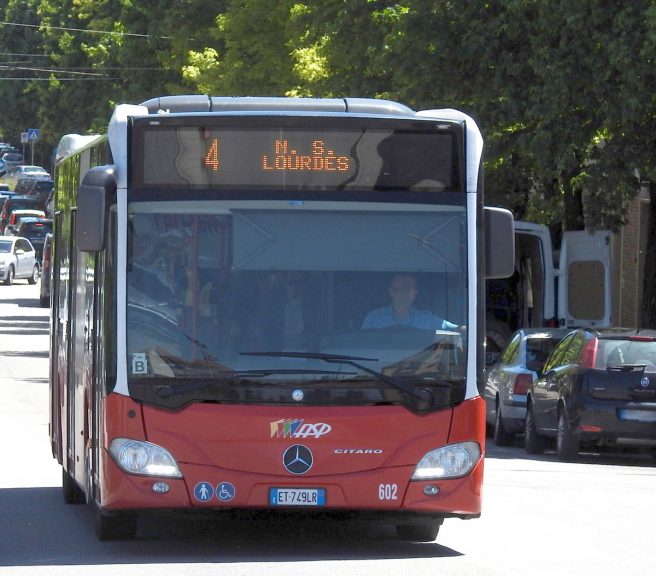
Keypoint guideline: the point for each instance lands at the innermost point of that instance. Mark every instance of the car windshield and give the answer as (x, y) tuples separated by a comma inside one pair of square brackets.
[(5, 246), (24, 204), (626, 352), (43, 186), (35, 230), (538, 349), (289, 294)]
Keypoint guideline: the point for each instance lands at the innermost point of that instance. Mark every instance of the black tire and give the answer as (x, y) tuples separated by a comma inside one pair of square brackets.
[(73, 494), (9, 280), (418, 532), (501, 436), (533, 442), (567, 443), (35, 275), (117, 526)]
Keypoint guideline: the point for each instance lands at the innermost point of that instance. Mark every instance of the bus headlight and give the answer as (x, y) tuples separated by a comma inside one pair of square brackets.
[(450, 461), (143, 458)]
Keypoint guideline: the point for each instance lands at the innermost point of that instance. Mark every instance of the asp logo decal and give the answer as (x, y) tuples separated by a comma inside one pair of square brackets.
[(296, 428)]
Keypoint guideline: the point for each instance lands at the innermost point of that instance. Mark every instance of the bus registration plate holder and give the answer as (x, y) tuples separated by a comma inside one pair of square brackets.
[(297, 496)]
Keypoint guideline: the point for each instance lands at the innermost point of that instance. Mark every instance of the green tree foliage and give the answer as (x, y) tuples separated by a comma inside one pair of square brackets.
[(84, 56), (561, 90)]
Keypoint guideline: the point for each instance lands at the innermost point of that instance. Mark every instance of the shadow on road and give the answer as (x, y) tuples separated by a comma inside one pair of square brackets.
[(22, 302), (23, 353), (38, 529), (606, 458), (26, 325)]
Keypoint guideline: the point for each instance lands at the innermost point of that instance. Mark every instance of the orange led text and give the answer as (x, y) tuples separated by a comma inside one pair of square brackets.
[(320, 160)]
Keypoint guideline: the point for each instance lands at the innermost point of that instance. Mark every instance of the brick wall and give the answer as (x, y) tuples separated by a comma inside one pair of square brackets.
[(628, 259)]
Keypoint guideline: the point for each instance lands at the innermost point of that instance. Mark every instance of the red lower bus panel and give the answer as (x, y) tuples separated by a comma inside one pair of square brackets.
[(232, 456)]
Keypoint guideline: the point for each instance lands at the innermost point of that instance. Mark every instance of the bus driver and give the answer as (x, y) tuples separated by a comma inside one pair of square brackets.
[(402, 312)]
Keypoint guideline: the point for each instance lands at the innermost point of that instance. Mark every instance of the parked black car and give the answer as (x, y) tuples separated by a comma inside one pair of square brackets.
[(17, 203), (4, 194), (46, 272), (597, 388), (41, 189), (35, 230)]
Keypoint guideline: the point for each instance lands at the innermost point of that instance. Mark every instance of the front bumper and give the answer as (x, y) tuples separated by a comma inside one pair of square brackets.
[(459, 497)]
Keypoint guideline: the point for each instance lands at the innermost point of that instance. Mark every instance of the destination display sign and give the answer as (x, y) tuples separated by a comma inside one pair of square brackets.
[(364, 158)]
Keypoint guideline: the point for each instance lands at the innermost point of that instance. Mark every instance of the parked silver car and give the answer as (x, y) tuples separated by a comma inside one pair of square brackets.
[(18, 260), (508, 380)]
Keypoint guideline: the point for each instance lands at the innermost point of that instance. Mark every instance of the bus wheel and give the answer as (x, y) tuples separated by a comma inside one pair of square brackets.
[(118, 526), (72, 492), (418, 532)]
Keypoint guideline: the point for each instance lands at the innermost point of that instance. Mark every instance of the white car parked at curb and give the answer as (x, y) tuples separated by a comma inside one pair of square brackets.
[(18, 260)]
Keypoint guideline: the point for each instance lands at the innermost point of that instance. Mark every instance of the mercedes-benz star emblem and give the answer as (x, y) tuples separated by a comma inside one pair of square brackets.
[(297, 459)]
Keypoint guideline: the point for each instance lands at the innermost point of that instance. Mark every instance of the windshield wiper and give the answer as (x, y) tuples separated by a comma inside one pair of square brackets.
[(172, 389), (423, 394)]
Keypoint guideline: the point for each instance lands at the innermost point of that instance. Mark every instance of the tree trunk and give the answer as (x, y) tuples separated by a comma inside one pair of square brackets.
[(573, 204), (648, 316)]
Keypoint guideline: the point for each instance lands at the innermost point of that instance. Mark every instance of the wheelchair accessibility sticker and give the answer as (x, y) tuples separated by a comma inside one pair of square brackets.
[(225, 491), (204, 491)]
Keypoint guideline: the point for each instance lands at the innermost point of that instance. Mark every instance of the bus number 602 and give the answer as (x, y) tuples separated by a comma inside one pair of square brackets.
[(387, 491)]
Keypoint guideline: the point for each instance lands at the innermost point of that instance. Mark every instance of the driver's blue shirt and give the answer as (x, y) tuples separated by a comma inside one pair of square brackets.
[(423, 319)]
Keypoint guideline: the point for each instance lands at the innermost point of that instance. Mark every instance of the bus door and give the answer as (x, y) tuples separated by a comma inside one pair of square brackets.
[(57, 348), (80, 370)]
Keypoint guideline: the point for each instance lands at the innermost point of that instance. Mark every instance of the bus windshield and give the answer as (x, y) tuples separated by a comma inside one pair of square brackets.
[(247, 301)]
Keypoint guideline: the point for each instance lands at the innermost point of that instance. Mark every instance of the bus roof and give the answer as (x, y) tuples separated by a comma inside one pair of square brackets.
[(71, 143), (203, 103)]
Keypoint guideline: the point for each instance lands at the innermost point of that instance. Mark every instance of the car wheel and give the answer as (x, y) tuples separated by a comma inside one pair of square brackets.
[(501, 436), (533, 442), (35, 275), (567, 443), (418, 532), (9, 280)]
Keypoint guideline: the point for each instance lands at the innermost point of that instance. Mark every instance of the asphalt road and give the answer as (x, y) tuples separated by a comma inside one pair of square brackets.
[(541, 517)]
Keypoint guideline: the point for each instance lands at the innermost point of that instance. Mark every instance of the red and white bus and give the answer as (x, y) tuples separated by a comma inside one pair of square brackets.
[(273, 304)]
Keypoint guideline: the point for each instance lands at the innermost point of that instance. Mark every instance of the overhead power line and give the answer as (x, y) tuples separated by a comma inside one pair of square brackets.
[(49, 70), (6, 65), (25, 55), (32, 79), (106, 32)]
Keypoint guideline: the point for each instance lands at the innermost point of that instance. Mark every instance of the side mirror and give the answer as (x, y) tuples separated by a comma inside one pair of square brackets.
[(499, 243), (93, 201)]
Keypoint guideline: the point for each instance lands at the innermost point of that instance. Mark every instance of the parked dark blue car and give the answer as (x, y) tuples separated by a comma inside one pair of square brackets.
[(598, 388)]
